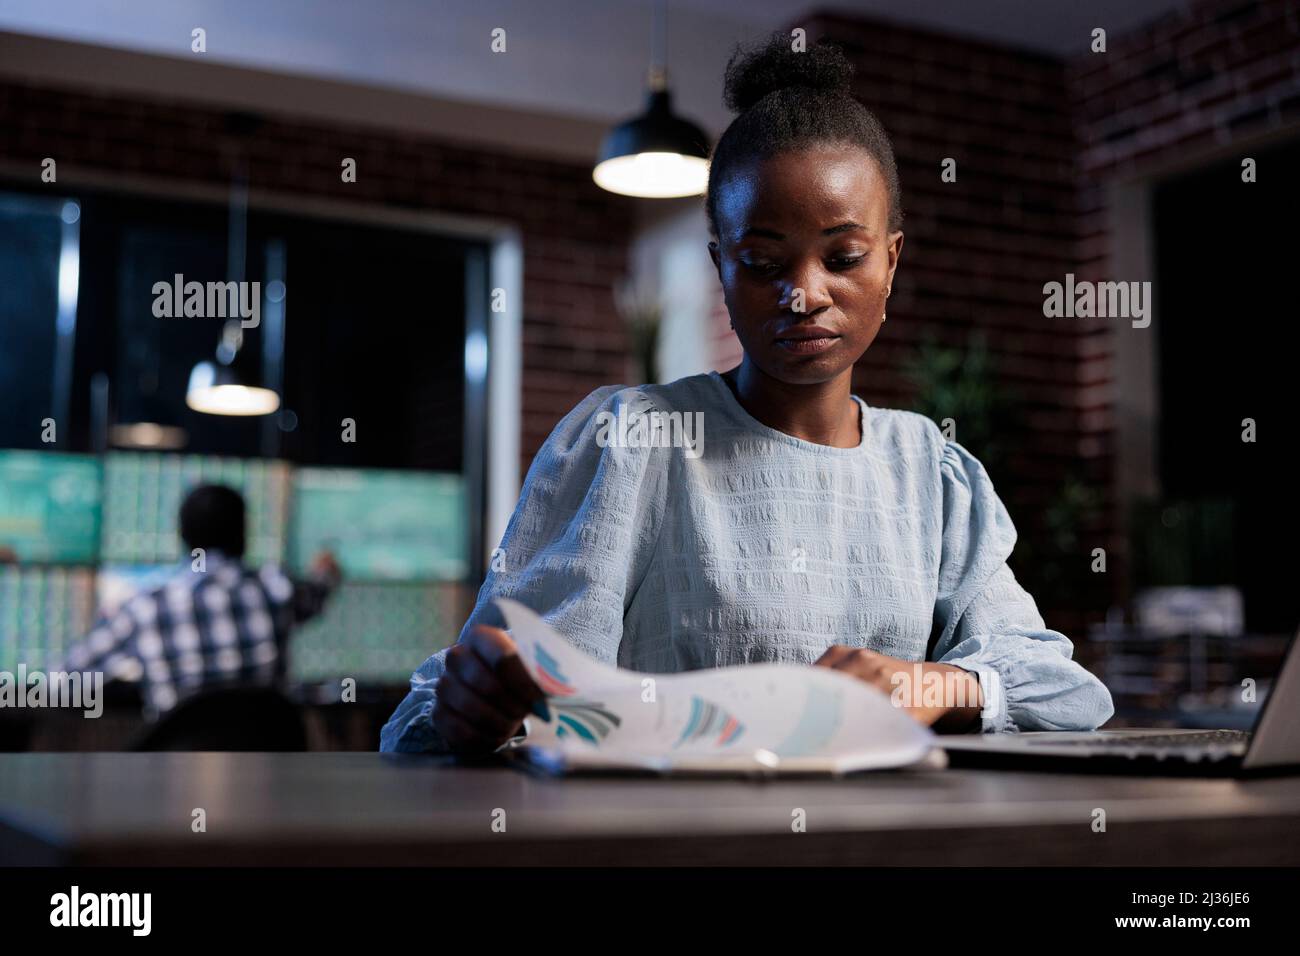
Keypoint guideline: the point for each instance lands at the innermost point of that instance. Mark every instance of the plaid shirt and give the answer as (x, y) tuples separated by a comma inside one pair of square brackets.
[(226, 625)]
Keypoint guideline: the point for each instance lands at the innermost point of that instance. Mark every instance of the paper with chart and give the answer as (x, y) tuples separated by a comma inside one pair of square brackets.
[(783, 717)]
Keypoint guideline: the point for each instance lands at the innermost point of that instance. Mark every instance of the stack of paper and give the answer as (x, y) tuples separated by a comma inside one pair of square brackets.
[(753, 719)]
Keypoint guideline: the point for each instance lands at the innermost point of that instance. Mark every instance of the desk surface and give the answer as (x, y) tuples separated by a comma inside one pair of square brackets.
[(350, 808)]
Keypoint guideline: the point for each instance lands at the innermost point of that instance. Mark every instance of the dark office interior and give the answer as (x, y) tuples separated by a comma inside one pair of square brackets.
[(357, 265)]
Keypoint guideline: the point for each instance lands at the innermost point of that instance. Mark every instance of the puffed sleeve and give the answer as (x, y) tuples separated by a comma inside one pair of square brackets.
[(986, 622), (575, 549)]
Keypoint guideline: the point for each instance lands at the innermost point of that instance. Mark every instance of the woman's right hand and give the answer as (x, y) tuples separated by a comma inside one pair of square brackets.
[(485, 693)]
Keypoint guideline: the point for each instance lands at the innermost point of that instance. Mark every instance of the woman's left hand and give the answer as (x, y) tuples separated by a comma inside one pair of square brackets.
[(912, 685)]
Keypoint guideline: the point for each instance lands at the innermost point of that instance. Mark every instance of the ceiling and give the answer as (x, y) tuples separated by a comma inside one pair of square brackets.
[(1060, 27), (581, 58)]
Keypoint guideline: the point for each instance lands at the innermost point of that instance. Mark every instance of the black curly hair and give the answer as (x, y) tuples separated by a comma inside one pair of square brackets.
[(791, 100)]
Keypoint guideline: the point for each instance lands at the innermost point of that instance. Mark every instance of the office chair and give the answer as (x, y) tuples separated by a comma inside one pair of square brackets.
[(228, 718)]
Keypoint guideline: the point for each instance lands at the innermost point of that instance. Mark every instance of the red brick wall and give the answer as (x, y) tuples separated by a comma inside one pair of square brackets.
[(1215, 73), (574, 234), (1186, 86), (1191, 83)]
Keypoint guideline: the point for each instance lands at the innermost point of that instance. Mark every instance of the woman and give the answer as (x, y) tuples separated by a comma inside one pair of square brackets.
[(803, 525)]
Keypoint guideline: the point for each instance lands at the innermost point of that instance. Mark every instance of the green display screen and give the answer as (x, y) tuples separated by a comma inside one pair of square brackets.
[(44, 610), (381, 525), (50, 506), (378, 631), (144, 491)]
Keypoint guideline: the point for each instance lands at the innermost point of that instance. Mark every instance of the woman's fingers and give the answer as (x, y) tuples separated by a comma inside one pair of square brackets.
[(458, 732), (485, 692), (501, 654), (515, 676), (471, 723), (832, 655), (864, 664), (492, 717), (472, 671)]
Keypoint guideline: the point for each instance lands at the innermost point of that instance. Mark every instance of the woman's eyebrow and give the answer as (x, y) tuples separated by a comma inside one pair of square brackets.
[(842, 227), (773, 234)]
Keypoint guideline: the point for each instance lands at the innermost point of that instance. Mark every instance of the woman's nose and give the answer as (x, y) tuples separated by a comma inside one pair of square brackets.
[(805, 291)]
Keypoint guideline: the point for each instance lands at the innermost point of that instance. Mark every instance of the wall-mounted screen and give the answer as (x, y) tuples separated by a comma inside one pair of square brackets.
[(381, 525), (49, 506)]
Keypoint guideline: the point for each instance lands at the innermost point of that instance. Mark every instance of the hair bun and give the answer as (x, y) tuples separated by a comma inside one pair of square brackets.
[(774, 65)]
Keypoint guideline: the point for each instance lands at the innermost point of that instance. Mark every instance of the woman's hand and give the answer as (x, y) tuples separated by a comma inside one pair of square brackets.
[(485, 693), (941, 696)]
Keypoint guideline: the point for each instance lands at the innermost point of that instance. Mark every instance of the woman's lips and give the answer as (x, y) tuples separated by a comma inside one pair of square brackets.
[(804, 345)]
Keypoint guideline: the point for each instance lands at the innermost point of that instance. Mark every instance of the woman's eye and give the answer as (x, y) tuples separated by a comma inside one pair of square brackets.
[(768, 267)]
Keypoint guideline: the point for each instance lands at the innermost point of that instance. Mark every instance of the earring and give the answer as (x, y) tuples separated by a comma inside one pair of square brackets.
[(733, 324), (882, 318)]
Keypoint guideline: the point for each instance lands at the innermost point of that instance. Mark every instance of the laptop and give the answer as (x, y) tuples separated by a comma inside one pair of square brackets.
[(1272, 746)]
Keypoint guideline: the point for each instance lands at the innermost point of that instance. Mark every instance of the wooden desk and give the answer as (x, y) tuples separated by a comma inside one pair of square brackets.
[(350, 808)]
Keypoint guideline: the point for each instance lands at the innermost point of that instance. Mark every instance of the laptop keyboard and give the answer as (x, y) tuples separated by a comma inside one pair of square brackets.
[(1208, 739)]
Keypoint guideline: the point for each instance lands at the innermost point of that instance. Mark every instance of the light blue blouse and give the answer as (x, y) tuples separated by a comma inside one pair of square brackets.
[(758, 546)]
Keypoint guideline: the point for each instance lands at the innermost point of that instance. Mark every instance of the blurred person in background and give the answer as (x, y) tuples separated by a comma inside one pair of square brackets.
[(214, 623)]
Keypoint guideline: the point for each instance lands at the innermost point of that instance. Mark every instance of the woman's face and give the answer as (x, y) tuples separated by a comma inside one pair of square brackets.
[(806, 259)]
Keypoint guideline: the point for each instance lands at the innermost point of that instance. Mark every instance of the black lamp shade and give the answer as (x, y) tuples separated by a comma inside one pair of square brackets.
[(656, 154)]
